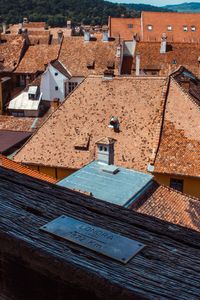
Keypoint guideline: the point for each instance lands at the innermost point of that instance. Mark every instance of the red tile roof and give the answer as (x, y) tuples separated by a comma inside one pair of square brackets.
[(75, 55), (136, 102), (9, 164), (169, 205), (125, 27), (179, 150), (10, 52), (152, 59), (43, 53), (161, 20)]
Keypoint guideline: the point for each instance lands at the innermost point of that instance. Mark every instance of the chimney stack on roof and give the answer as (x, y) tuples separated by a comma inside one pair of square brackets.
[(87, 33), (69, 24), (4, 28), (60, 36), (105, 150), (163, 46), (137, 72), (105, 33)]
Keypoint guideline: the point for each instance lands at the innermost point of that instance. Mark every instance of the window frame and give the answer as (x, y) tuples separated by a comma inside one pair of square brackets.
[(150, 27)]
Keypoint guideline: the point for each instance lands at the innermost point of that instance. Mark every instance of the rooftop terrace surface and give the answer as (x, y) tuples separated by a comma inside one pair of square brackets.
[(117, 188)]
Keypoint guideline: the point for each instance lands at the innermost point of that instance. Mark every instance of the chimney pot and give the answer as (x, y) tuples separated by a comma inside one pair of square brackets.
[(137, 73), (105, 33), (87, 33), (163, 46)]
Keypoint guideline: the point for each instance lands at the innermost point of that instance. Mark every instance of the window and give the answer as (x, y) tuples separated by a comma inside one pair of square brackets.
[(101, 148), (185, 28), (56, 88), (56, 74), (176, 184), (150, 27), (193, 28), (169, 28), (105, 149), (130, 25), (72, 86)]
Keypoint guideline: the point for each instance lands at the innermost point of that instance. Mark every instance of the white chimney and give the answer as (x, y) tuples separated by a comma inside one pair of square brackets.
[(87, 33), (105, 150), (137, 72), (4, 28), (105, 33), (163, 46), (69, 24), (118, 52), (60, 36)]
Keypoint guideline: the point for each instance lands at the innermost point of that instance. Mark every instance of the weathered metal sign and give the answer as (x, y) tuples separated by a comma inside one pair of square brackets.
[(95, 238)]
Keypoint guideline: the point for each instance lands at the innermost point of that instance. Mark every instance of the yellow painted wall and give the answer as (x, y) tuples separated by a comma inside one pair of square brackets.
[(191, 185), (58, 173)]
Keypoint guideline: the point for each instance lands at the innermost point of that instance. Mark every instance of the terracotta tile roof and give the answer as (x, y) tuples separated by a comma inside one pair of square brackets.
[(169, 205), (138, 104), (125, 27), (15, 123), (75, 54), (161, 20), (10, 52), (179, 150), (152, 59), (36, 57), (9, 164)]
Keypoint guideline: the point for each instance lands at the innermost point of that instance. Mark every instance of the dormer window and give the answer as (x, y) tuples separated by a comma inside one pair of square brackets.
[(193, 28), (150, 27), (185, 28), (169, 28)]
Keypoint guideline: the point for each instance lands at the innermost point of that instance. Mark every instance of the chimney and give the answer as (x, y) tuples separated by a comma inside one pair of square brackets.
[(163, 46), (69, 24), (4, 28), (118, 52), (105, 150), (137, 72), (20, 28), (60, 36), (105, 33), (87, 33), (25, 35)]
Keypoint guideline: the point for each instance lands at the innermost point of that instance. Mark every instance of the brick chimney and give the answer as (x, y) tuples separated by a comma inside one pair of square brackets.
[(137, 68), (60, 36), (163, 46), (105, 37)]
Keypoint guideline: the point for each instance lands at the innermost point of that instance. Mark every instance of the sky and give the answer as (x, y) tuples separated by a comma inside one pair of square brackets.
[(155, 2)]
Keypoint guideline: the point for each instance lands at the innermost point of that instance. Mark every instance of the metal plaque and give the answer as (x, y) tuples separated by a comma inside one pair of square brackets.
[(95, 238)]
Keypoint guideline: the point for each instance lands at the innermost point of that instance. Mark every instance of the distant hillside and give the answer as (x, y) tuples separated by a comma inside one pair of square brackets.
[(56, 12), (145, 7), (185, 7)]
